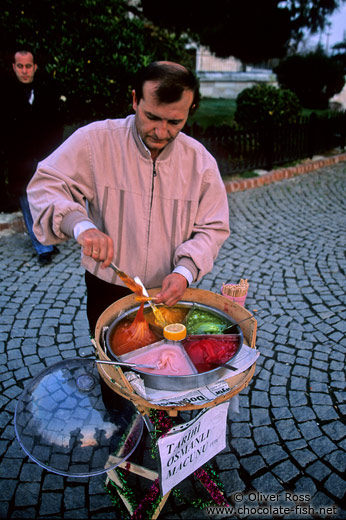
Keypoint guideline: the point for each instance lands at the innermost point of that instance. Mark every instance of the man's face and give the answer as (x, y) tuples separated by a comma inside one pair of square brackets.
[(24, 67), (159, 123)]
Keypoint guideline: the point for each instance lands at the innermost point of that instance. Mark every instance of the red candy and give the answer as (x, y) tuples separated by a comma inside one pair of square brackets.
[(207, 353)]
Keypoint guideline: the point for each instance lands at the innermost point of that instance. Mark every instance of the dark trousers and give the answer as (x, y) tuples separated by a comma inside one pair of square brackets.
[(100, 295)]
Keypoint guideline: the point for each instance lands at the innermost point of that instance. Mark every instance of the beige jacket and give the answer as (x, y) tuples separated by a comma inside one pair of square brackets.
[(159, 215)]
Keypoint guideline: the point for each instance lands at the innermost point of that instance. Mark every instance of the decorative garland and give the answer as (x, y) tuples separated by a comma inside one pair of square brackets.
[(207, 476), (162, 422)]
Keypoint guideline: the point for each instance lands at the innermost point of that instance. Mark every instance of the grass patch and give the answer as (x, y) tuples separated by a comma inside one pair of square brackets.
[(220, 112), (216, 112)]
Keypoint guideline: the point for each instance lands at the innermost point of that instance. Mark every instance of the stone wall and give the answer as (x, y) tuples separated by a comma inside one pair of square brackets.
[(228, 85)]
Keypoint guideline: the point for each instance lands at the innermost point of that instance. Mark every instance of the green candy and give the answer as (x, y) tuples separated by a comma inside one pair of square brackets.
[(203, 322)]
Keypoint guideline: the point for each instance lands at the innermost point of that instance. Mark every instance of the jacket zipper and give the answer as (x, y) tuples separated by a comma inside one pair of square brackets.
[(152, 184), (151, 204)]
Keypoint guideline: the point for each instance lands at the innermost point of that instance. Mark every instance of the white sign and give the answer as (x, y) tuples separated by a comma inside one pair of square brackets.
[(188, 446)]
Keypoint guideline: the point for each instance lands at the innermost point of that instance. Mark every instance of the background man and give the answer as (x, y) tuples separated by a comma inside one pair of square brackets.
[(138, 192), (31, 129)]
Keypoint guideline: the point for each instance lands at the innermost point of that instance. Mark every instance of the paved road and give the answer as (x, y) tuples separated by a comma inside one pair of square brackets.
[(288, 239)]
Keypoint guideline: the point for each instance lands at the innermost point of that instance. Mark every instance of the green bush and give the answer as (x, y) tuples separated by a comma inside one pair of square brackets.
[(314, 77), (91, 48), (264, 105)]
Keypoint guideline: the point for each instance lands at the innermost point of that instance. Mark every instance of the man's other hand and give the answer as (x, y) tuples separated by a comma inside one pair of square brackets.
[(173, 288)]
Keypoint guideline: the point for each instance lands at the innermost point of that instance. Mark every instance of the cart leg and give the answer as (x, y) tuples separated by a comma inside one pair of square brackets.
[(112, 475)]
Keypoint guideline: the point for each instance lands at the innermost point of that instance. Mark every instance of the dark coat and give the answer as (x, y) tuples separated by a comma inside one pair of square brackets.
[(30, 132)]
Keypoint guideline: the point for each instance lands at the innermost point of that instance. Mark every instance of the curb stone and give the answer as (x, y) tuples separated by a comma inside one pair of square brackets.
[(283, 173)]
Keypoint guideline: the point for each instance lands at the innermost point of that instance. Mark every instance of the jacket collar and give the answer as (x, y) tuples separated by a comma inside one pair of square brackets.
[(144, 150)]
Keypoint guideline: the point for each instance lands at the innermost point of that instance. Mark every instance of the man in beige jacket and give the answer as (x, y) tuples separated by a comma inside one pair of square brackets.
[(137, 192)]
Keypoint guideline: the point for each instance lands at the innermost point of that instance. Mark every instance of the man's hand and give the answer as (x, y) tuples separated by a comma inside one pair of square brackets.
[(97, 245), (173, 288)]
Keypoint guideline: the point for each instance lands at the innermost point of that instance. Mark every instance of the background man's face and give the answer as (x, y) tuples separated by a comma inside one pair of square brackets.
[(24, 67)]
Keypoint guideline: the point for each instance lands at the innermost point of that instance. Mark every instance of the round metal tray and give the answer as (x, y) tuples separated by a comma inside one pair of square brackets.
[(167, 382)]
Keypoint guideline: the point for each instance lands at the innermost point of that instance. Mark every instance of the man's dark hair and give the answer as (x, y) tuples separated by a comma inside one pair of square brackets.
[(23, 52), (173, 80)]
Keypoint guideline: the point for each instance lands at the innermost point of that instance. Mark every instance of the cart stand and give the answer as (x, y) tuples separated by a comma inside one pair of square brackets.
[(143, 472)]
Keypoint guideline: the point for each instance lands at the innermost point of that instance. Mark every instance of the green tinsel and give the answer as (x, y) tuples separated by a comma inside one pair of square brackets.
[(162, 422), (214, 476), (125, 490), (118, 503), (201, 503)]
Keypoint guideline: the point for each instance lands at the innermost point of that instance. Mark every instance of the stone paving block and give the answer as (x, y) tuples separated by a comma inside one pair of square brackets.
[(232, 482), (53, 482), (259, 399), (338, 377), (278, 390), (243, 446), (260, 417), (50, 503), (287, 429), (228, 462), (303, 457), (337, 459), (15, 364), (26, 494), (296, 444), (306, 486), (298, 383), (278, 380), (13, 392), (286, 471), (31, 473), (336, 486), (299, 369), (322, 446), (97, 502), (279, 401), (31, 360), (36, 369), (282, 370), (281, 413), (325, 413), (318, 470), (335, 430), (272, 453), (240, 430), (74, 496), (253, 464), (303, 413), (286, 358), (297, 398), (267, 483), (264, 435)]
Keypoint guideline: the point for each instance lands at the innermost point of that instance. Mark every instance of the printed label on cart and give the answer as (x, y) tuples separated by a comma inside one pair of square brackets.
[(188, 446)]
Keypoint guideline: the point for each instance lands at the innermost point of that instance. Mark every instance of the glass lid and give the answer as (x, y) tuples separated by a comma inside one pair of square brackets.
[(63, 424)]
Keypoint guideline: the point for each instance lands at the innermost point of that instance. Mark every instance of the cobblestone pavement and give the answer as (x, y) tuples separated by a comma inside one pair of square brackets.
[(289, 438)]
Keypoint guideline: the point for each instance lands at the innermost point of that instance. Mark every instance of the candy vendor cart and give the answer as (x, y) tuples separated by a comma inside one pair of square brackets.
[(116, 380)]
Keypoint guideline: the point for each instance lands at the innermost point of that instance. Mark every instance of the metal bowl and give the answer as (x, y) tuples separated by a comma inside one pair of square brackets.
[(176, 383)]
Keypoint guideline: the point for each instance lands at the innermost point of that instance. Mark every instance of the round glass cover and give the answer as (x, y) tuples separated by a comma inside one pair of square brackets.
[(65, 424)]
